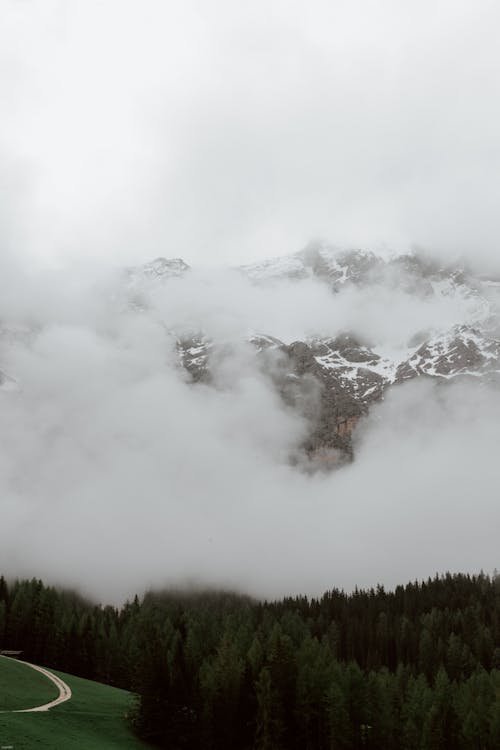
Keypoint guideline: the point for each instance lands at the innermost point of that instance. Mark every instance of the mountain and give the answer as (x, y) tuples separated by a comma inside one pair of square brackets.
[(333, 380), (351, 374), (340, 267), (157, 270)]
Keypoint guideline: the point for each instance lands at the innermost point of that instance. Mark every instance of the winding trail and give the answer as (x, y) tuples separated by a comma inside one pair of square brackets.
[(64, 690)]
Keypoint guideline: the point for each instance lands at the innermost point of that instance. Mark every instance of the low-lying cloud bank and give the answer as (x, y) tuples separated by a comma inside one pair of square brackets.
[(237, 130), (117, 473)]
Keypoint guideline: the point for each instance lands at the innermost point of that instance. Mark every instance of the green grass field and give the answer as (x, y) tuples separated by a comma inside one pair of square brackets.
[(94, 718), (21, 687)]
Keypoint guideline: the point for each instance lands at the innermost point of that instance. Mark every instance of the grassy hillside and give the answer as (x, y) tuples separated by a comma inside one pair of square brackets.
[(22, 687), (93, 719)]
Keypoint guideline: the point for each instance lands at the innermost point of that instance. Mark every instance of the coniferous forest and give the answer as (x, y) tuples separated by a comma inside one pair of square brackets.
[(417, 668)]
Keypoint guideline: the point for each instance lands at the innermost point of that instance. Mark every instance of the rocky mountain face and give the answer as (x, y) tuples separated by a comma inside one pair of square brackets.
[(333, 381)]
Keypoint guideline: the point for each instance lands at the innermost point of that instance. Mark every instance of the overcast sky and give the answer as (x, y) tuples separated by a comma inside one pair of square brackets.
[(225, 131)]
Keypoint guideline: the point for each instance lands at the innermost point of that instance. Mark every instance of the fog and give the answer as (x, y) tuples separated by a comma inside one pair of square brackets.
[(223, 132), (117, 473)]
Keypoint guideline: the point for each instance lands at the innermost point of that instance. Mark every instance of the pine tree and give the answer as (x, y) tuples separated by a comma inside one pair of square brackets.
[(269, 723)]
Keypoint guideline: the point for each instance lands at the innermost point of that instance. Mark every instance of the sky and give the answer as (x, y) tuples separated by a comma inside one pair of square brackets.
[(226, 132)]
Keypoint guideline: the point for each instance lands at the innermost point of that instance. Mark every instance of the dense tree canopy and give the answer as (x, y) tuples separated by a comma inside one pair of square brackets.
[(417, 668)]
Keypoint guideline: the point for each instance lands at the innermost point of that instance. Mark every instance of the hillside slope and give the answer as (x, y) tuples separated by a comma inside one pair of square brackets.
[(94, 718), (22, 688)]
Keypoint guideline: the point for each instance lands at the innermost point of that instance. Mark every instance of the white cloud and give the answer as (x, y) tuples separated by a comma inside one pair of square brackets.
[(116, 473), (222, 132)]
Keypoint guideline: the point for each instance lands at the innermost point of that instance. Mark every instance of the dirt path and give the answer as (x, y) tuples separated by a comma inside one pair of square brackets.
[(64, 689)]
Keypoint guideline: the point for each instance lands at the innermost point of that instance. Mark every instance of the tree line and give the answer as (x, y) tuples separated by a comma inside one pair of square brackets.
[(417, 668)]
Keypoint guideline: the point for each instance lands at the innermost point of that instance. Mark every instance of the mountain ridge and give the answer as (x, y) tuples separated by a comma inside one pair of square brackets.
[(333, 381), (352, 375)]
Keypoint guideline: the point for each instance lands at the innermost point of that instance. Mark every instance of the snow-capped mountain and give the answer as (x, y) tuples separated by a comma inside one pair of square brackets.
[(157, 270), (352, 375), (340, 267), (333, 380)]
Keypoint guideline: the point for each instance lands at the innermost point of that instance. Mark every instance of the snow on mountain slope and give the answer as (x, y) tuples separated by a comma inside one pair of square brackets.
[(333, 379), (158, 269), (351, 374), (351, 377), (141, 281), (462, 351), (287, 267), (317, 260), (341, 267)]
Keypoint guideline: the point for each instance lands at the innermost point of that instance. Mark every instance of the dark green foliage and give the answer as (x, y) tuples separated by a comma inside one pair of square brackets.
[(413, 669)]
